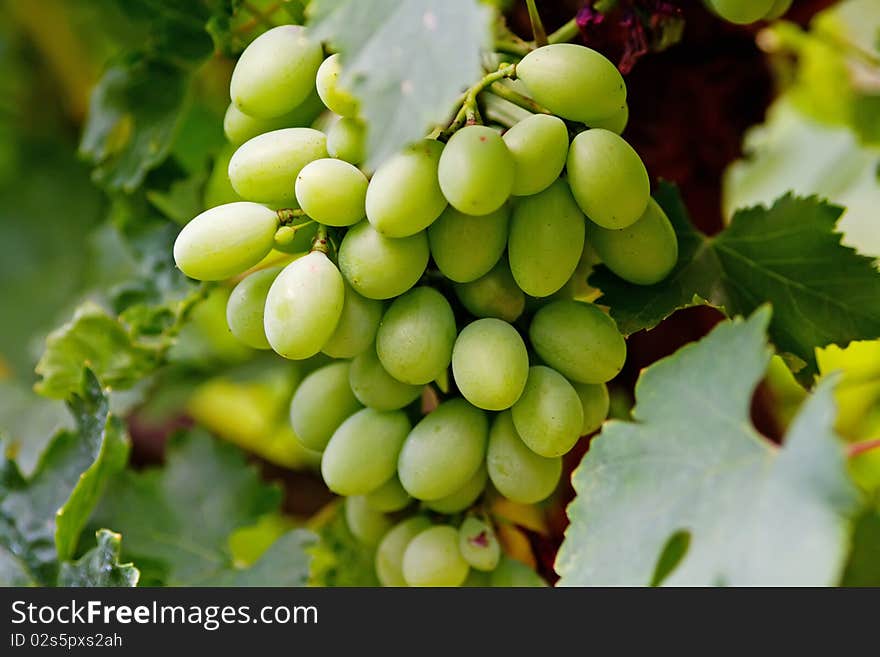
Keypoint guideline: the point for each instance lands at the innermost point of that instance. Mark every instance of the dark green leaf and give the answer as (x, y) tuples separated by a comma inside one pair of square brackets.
[(692, 462), (100, 566), (406, 60), (863, 566), (339, 559)]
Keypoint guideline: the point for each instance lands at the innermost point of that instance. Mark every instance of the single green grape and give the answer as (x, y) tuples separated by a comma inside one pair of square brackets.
[(374, 387), (548, 416), (357, 326), (478, 544), (644, 253), (494, 295), (546, 240), (616, 123), (515, 574), (490, 364), (264, 169), (443, 451), (416, 335), (239, 127), (741, 12), (246, 305), (347, 140), (225, 241), (539, 146), (335, 98), (380, 267), (304, 306), (297, 236), (578, 340), (595, 403), (389, 497), (389, 555), (404, 196), (332, 192), (321, 403), (477, 579), (366, 525), (432, 558), (476, 170), (515, 470), (276, 72), (464, 497), (572, 81), (465, 247), (362, 453), (607, 178)]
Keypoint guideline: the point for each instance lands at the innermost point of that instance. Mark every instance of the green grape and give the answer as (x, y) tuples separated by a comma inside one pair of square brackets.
[(244, 310), (595, 402), (296, 237), (467, 247), (549, 415), (476, 170), (477, 579), (276, 72), (494, 295), (389, 497), (778, 10), (644, 253), (332, 192), (346, 140), (375, 388), (389, 555), (265, 168), (616, 123), (357, 326), (443, 451), (546, 240), (432, 558), (515, 470), (362, 453), (578, 340), (218, 189), (225, 241), (304, 306), (607, 178), (515, 574), (404, 196), (380, 267), (741, 12), (478, 544), (365, 524), (573, 82), (335, 98), (539, 146), (416, 335), (321, 403), (490, 364), (239, 127), (464, 497)]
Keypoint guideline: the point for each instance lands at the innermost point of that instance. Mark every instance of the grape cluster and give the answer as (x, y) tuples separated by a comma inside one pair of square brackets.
[(465, 256), (744, 12)]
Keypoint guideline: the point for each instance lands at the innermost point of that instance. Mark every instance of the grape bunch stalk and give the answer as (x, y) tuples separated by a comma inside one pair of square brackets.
[(443, 293)]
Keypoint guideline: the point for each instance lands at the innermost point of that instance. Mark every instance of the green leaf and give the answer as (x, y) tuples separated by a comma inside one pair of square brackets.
[(100, 566), (790, 255), (692, 462), (41, 518), (863, 566), (98, 341), (177, 520), (339, 559), (406, 61)]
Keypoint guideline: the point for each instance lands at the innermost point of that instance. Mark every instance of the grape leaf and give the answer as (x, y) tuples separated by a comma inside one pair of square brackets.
[(691, 462), (406, 61), (338, 558), (177, 520), (822, 292), (100, 566), (863, 566), (41, 518)]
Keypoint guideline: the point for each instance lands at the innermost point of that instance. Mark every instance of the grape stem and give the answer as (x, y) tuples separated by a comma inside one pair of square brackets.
[(865, 446), (565, 33), (468, 112), (537, 25), (321, 242), (517, 99), (287, 216)]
